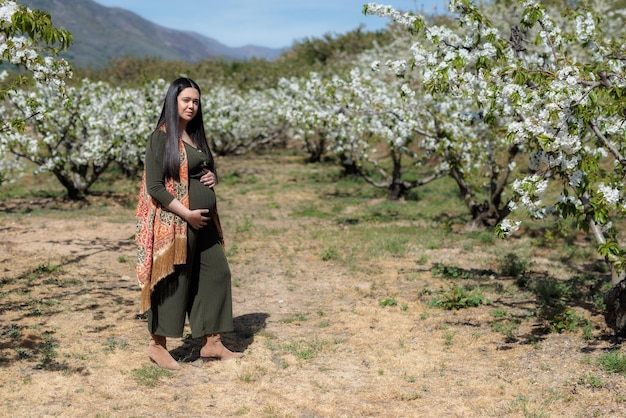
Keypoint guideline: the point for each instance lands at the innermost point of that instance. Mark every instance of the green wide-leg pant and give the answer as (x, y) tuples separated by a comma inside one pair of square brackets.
[(199, 290)]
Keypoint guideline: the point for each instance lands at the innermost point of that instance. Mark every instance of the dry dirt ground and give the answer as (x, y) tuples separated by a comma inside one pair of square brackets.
[(318, 342)]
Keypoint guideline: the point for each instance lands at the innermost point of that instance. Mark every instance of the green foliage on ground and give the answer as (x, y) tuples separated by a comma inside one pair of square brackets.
[(150, 376), (613, 361)]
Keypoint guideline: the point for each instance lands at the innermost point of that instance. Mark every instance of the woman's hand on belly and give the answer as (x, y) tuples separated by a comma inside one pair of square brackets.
[(208, 178), (198, 218)]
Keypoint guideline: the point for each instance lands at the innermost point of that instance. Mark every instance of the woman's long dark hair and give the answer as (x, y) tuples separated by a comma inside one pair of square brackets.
[(195, 128)]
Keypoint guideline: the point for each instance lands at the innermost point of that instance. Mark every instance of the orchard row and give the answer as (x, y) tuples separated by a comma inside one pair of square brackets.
[(520, 103)]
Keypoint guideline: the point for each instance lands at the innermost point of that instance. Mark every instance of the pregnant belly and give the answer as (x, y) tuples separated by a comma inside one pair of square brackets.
[(200, 196)]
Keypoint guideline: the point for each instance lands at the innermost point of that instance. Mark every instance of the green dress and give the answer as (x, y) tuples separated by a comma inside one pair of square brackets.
[(200, 289)]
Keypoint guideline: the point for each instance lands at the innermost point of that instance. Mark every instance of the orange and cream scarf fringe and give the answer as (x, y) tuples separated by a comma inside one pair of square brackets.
[(161, 235)]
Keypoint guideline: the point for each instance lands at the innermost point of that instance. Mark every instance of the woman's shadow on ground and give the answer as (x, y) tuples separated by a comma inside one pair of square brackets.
[(246, 327)]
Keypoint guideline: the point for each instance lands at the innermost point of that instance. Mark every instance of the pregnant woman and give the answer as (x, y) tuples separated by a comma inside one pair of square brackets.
[(181, 263)]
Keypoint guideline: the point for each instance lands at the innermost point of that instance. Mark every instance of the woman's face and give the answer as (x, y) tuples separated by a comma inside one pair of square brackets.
[(188, 103)]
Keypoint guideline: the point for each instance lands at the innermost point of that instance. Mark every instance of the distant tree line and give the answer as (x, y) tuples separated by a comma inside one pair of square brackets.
[(328, 54)]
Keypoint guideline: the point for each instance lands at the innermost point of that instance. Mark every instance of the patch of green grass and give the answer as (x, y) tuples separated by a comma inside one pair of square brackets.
[(613, 361), (450, 272), (590, 380), (39, 307), (381, 215), (232, 250), (468, 246), (245, 226), (23, 353), (381, 241), (310, 210), (329, 253), (47, 350), (482, 236), (390, 301), (576, 252), (42, 270), (305, 349), (553, 297), (395, 246), (443, 198), (527, 407), (382, 212), (549, 290), (457, 297), (32, 185), (499, 313), (114, 344), (238, 177), (266, 334), (150, 376), (352, 188), (242, 411), (506, 327), (511, 265), (12, 331), (562, 319), (323, 174), (297, 317), (247, 377)]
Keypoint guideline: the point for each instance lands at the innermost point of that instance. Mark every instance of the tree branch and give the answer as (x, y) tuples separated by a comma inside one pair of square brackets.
[(606, 142)]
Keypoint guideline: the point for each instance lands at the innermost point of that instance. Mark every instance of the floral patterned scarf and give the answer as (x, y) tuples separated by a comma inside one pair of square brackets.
[(161, 235)]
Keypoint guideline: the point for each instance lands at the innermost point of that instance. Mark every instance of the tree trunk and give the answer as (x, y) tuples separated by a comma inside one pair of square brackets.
[(349, 165), (397, 190), (615, 311), (73, 193)]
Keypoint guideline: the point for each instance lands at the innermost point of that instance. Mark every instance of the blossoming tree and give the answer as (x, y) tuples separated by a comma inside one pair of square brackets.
[(383, 125), (238, 122), (554, 78), (28, 41), (83, 131)]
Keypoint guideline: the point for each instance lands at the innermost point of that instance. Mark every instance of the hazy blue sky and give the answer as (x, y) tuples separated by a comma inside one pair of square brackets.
[(271, 23)]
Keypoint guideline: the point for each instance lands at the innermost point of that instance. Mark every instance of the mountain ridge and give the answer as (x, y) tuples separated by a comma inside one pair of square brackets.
[(104, 33)]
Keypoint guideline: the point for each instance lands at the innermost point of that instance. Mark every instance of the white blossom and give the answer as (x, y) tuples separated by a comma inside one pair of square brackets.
[(611, 194), (509, 227)]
